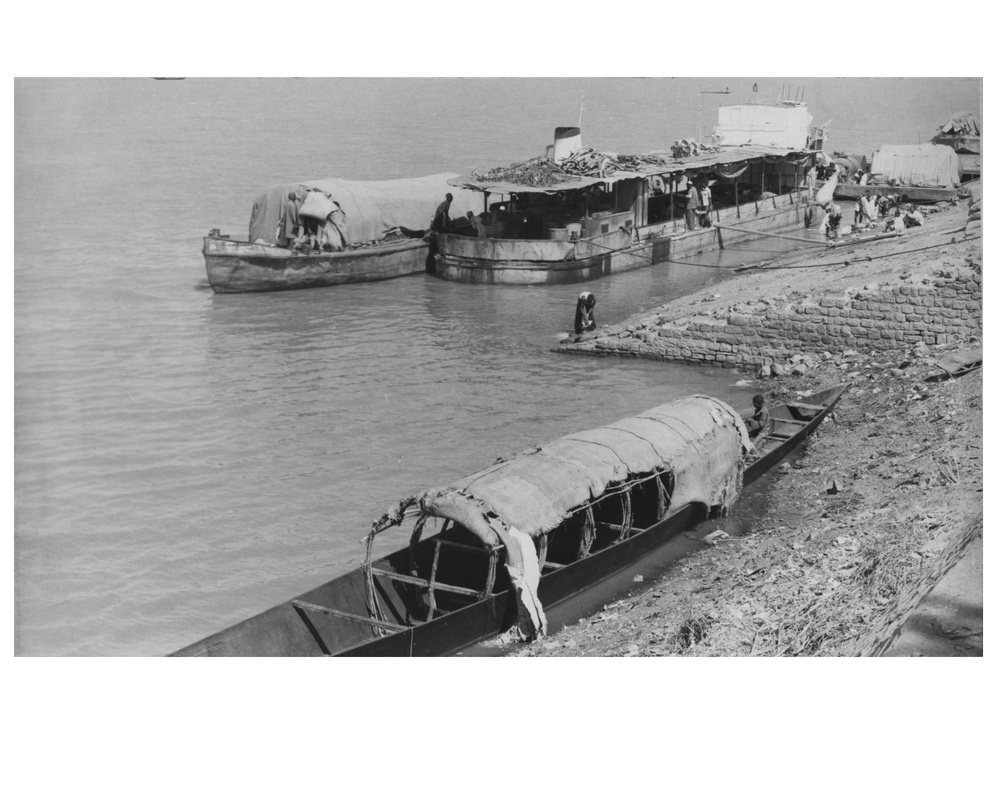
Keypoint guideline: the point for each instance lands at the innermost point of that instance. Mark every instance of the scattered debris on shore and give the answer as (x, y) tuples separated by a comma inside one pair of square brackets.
[(860, 527)]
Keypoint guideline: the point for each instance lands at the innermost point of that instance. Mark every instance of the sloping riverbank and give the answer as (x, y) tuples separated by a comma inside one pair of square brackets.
[(882, 502)]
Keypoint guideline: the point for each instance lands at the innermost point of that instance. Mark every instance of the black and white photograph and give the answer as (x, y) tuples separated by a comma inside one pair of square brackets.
[(529, 367), (652, 404)]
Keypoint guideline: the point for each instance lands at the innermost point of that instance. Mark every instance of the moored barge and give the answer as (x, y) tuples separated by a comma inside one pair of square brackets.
[(380, 227), (576, 214)]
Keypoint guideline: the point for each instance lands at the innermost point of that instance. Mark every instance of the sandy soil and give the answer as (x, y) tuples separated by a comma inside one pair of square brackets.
[(860, 527)]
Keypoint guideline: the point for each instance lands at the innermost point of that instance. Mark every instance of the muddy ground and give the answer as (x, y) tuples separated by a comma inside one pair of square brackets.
[(860, 527)]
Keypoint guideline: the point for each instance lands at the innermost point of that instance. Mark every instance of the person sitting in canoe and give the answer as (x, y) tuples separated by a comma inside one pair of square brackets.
[(757, 422), (585, 313)]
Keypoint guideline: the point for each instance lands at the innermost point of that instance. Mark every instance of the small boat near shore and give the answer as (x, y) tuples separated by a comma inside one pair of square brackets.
[(380, 228), (492, 551)]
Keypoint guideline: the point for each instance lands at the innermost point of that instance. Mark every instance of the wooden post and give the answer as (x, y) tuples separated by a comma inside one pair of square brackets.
[(736, 195), (673, 190)]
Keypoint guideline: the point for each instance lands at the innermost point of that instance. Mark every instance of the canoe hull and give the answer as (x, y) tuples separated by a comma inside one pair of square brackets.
[(285, 630), (235, 267)]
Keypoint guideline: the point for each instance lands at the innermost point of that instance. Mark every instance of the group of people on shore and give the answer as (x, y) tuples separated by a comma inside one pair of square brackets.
[(869, 212)]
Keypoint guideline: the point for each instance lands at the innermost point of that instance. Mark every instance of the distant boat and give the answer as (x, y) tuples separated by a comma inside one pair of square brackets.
[(168, 79), (723, 92)]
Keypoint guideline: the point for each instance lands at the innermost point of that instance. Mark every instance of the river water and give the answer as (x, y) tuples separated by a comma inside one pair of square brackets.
[(182, 459)]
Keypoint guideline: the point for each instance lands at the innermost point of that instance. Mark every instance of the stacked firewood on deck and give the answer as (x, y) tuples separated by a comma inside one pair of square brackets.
[(587, 162), (684, 148)]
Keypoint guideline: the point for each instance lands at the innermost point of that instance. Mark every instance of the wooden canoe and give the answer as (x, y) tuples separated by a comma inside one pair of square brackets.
[(235, 266), (445, 593)]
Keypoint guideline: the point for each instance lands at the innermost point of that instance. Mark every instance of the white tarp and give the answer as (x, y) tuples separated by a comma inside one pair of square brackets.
[(769, 124), (918, 165)]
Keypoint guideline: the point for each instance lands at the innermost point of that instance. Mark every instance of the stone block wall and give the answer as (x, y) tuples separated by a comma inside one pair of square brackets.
[(944, 309)]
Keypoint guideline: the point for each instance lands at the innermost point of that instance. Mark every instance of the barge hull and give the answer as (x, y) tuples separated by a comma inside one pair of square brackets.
[(660, 243), (914, 194), (235, 267)]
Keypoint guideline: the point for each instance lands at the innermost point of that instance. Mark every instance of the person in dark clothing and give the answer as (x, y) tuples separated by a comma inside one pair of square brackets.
[(759, 421), (441, 221), (289, 225), (585, 313)]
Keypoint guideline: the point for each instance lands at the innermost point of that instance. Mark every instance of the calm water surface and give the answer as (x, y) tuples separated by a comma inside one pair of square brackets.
[(182, 459)]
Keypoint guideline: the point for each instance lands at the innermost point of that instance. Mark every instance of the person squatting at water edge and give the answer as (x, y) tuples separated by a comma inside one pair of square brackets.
[(585, 313), (758, 421)]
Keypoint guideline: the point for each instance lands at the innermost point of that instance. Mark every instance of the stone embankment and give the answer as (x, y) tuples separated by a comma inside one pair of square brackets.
[(886, 496), (924, 286)]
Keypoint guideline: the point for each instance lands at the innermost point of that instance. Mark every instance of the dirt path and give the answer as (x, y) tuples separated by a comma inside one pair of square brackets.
[(885, 499)]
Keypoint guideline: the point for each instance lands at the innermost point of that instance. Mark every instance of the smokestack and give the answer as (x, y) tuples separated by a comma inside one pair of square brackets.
[(567, 142)]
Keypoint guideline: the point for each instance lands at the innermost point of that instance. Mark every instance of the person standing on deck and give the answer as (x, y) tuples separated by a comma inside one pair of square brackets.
[(705, 205), (288, 222), (441, 221), (693, 200), (585, 313), (477, 224), (332, 234)]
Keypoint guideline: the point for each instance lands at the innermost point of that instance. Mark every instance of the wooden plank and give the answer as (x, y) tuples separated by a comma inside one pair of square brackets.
[(782, 420), (467, 547), (805, 405), (443, 587), (333, 612)]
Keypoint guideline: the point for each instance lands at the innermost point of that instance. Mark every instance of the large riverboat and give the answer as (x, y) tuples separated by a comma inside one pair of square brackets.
[(576, 214), (381, 226), (492, 551)]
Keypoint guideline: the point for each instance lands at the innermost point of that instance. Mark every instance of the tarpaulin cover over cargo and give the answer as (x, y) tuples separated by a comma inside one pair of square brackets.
[(698, 439), (918, 165), (370, 207)]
